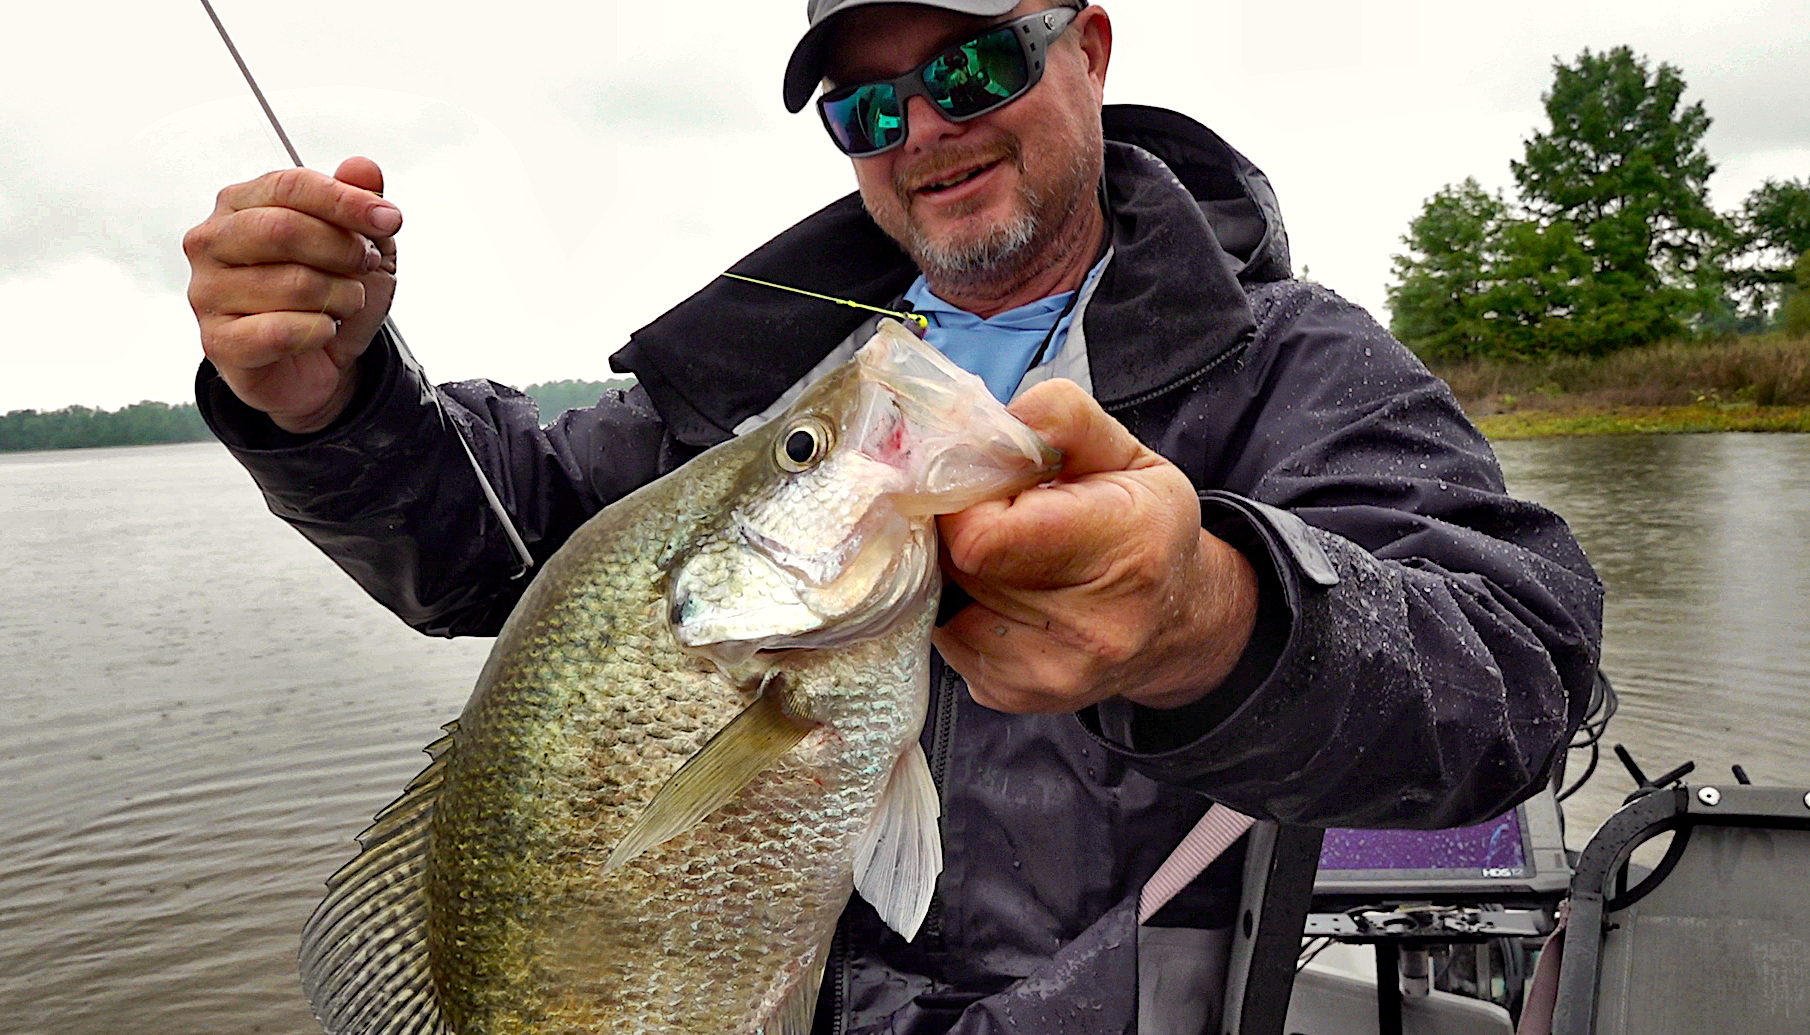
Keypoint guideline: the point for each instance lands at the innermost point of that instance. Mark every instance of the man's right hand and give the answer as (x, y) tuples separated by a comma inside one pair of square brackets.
[(290, 278)]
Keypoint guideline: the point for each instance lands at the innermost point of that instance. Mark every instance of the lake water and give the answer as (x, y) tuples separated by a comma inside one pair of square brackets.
[(201, 711), (1704, 544)]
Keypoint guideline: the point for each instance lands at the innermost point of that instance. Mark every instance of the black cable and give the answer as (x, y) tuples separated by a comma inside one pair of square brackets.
[(1604, 703)]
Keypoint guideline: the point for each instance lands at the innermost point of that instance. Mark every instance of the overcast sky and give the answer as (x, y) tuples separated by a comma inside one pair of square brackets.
[(570, 169)]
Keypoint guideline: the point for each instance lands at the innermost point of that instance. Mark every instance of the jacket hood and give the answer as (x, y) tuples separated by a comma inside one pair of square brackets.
[(1233, 193), (729, 350)]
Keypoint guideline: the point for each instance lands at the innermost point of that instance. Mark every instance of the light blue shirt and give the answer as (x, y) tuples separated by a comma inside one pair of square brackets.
[(999, 350)]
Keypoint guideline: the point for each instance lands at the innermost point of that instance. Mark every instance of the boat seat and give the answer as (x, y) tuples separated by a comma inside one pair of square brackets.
[(1715, 939)]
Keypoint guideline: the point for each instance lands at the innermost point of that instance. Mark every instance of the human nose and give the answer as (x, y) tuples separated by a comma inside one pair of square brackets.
[(925, 124)]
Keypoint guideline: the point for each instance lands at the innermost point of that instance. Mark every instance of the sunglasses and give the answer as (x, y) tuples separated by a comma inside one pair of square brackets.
[(966, 81)]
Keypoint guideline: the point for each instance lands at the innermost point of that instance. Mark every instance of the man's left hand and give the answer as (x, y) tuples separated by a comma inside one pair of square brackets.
[(1097, 585)]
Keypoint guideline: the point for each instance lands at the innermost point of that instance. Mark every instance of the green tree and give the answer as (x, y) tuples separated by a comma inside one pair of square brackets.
[(1774, 230), (1534, 305), (1623, 164), (1775, 219), (1479, 280), (1437, 305), (1796, 315)]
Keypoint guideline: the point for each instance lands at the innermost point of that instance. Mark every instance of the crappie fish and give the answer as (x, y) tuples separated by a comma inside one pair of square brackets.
[(696, 733)]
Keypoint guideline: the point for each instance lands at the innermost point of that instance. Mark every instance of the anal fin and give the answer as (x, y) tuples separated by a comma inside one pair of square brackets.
[(798, 1009)]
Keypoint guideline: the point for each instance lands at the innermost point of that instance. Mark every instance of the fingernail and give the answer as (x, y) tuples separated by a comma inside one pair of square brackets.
[(386, 218), (373, 257)]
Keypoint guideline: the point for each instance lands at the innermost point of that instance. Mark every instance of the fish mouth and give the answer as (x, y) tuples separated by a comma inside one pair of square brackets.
[(878, 532), (940, 427)]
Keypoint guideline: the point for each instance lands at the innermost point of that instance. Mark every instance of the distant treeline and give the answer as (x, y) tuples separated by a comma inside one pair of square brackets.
[(556, 397), (150, 423), (77, 427)]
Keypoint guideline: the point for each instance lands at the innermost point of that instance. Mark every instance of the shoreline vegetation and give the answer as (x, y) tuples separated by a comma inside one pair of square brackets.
[(1752, 383), (1606, 249)]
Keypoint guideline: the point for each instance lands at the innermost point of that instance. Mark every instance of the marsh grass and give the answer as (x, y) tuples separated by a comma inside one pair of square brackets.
[(1759, 383), (1762, 371)]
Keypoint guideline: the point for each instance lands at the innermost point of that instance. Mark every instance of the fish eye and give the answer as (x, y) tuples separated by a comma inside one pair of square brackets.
[(804, 444)]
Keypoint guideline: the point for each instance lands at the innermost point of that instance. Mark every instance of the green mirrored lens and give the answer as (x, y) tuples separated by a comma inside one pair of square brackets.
[(981, 73), (867, 118), (964, 82)]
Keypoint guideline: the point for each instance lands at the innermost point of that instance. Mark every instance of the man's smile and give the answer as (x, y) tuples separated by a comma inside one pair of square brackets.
[(956, 174), (956, 177)]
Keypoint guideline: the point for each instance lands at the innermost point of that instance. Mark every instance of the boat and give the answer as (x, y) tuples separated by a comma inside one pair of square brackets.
[(1498, 929)]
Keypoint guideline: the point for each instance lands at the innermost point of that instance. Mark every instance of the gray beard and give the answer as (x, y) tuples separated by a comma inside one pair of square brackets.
[(995, 255), (1003, 252)]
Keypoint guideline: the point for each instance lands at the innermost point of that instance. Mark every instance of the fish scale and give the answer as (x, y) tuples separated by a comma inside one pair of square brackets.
[(641, 827)]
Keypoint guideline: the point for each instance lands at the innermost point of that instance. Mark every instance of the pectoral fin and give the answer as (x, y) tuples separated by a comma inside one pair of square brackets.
[(901, 853), (726, 763)]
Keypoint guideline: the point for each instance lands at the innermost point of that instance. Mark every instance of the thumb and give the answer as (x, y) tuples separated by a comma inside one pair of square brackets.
[(360, 172), (1090, 439)]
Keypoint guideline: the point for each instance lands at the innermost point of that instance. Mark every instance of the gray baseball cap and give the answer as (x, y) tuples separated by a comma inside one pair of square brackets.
[(805, 70)]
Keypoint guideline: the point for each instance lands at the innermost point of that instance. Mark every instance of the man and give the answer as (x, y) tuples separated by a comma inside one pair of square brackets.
[(1279, 569)]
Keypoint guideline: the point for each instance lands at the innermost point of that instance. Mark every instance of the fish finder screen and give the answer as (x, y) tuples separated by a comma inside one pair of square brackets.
[(1492, 849)]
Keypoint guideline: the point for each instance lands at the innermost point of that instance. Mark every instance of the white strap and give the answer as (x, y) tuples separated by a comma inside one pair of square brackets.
[(1211, 836)]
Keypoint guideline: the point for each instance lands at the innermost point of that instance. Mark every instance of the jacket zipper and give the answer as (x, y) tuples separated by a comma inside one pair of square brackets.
[(836, 971), (942, 736)]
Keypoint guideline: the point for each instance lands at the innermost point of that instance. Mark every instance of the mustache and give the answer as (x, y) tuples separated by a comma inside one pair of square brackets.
[(907, 179)]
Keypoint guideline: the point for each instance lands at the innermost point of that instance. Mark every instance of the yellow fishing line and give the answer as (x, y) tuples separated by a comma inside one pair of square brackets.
[(916, 318)]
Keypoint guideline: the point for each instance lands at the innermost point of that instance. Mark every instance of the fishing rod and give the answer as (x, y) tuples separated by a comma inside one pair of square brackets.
[(389, 325)]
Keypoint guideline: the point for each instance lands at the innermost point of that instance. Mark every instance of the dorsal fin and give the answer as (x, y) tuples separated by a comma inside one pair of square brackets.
[(364, 951)]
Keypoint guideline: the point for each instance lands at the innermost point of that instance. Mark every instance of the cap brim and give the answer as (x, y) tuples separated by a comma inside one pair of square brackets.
[(805, 69)]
